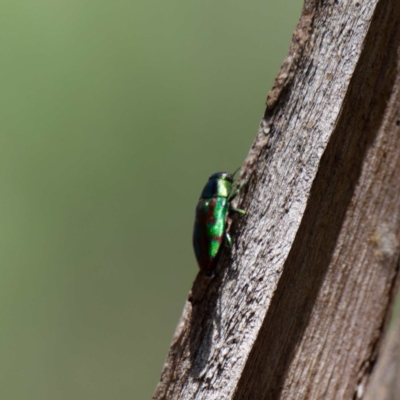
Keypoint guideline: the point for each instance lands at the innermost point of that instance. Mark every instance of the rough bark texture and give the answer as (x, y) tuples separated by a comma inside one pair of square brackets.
[(297, 310)]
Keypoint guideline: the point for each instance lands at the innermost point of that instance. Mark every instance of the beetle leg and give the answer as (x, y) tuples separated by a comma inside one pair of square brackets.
[(237, 210), (237, 191), (228, 239)]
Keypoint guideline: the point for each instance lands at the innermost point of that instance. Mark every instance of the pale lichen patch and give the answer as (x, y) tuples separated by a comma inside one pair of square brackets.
[(385, 240)]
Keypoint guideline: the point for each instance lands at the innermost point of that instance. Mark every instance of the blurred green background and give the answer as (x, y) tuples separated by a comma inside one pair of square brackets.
[(113, 114)]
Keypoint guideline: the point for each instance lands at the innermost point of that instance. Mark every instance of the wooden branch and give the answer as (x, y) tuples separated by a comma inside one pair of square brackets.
[(385, 382), (298, 309)]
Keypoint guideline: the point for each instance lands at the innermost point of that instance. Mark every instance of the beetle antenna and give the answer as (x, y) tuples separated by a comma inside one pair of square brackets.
[(236, 171)]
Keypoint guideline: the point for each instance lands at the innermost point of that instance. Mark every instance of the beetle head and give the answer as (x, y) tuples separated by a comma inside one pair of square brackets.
[(222, 175)]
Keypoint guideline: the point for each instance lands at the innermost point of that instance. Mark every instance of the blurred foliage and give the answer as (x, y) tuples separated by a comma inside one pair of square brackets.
[(113, 115)]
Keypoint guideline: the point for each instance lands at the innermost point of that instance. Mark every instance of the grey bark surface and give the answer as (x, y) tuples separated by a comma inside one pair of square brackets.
[(298, 308)]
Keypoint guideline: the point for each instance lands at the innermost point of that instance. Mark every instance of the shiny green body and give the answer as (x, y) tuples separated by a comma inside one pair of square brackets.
[(211, 219)]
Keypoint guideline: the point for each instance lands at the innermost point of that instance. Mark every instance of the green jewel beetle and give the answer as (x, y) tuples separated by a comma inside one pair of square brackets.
[(210, 227)]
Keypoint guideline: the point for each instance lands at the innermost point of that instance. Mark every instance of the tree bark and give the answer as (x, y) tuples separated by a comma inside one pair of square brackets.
[(298, 308)]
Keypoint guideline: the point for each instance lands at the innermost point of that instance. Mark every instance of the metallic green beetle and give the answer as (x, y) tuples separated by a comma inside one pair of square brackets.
[(211, 219)]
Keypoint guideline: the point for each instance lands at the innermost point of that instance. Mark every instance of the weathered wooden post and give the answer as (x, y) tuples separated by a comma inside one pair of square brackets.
[(299, 307)]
